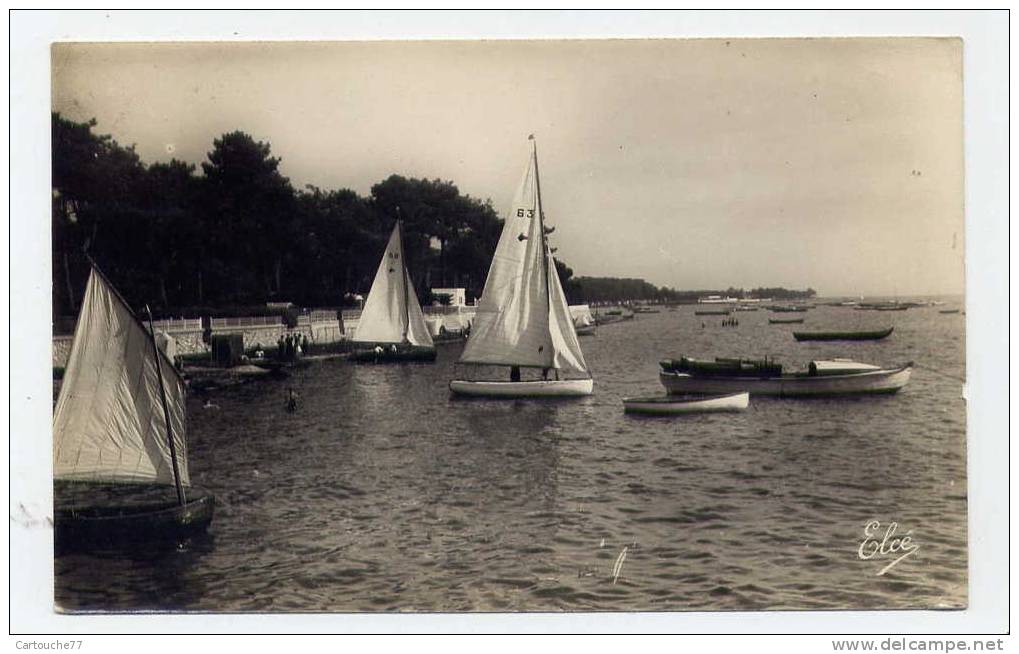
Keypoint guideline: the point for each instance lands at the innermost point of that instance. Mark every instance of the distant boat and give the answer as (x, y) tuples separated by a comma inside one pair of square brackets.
[(672, 405), (712, 312), (787, 309), (583, 321), (784, 321), (874, 335), (948, 311), (119, 440), (742, 308), (646, 310), (523, 320), (392, 327), (822, 378), (717, 299)]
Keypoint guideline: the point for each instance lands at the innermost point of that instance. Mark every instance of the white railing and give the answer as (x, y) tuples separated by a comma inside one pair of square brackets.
[(178, 325), (247, 321)]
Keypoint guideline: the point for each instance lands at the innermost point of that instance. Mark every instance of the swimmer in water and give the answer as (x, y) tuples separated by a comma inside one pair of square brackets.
[(292, 402), (209, 405)]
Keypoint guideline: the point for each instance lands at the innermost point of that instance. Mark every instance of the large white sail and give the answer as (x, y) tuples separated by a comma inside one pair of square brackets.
[(392, 313), (519, 318), (109, 423)]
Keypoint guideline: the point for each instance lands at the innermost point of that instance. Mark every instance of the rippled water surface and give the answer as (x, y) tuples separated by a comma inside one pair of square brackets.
[(383, 493)]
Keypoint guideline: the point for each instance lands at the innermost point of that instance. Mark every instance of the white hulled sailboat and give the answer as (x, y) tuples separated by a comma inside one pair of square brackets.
[(392, 324), (523, 320)]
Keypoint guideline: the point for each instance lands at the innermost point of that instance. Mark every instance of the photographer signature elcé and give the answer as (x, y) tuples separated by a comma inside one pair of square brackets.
[(882, 543)]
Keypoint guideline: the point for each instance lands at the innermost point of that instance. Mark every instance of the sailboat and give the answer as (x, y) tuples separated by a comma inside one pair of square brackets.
[(391, 324), (119, 434), (523, 320)]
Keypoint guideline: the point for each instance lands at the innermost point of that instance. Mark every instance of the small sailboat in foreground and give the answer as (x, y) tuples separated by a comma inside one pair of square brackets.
[(119, 434), (392, 327), (523, 320)]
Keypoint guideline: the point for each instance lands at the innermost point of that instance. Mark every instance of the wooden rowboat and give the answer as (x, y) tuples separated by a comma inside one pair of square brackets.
[(672, 405), (837, 377), (874, 335)]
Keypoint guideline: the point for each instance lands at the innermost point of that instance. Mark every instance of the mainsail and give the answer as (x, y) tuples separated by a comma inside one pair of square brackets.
[(392, 313), (523, 318), (109, 423)]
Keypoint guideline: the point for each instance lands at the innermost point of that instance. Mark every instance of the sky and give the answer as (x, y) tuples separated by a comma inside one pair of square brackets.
[(693, 163)]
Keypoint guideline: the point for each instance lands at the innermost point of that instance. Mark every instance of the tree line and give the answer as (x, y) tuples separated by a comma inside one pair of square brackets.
[(616, 289), (236, 234)]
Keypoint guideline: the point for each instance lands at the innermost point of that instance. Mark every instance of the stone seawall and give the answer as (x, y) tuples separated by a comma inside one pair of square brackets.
[(189, 341)]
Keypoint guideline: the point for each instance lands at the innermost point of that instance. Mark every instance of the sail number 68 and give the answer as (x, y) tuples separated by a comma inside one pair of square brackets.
[(521, 213)]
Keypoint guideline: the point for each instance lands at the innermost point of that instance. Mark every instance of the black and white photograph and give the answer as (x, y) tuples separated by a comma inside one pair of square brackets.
[(533, 325)]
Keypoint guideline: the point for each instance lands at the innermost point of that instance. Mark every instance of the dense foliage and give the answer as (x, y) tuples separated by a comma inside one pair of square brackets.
[(238, 234)]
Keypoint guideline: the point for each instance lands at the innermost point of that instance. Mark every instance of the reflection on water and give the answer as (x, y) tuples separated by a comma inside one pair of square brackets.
[(383, 493)]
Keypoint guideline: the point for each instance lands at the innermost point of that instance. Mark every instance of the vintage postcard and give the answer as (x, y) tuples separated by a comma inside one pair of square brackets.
[(509, 326)]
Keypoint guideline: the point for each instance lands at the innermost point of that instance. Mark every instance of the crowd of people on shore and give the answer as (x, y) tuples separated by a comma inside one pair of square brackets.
[(291, 346)]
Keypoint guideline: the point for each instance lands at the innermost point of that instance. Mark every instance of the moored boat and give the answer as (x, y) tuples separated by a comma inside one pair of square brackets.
[(822, 378), (120, 422), (392, 328), (527, 388), (583, 320), (948, 311), (873, 335), (712, 312), (674, 405), (523, 320), (784, 321)]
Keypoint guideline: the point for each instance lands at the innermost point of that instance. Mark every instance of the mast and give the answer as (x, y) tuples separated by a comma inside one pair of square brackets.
[(405, 276), (166, 411), (544, 242)]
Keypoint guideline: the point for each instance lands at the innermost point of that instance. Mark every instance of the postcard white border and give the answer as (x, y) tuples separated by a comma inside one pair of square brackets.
[(986, 127)]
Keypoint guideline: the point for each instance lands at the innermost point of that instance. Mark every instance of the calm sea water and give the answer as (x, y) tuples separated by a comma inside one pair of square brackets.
[(383, 493)]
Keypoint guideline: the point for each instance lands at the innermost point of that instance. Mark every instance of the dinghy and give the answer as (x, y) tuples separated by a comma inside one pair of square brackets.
[(674, 405), (522, 320), (119, 435), (392, 328), (874, 335)]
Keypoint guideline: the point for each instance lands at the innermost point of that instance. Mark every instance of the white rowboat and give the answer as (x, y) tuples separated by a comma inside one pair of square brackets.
[(662, 406)]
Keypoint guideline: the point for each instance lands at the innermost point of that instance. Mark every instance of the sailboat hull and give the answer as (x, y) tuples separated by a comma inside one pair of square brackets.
[(511, 389), (97, 527)]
